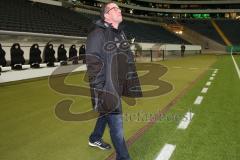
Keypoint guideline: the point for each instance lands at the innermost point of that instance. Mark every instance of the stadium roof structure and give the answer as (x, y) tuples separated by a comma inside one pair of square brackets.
[(193, 1), (182, 10)]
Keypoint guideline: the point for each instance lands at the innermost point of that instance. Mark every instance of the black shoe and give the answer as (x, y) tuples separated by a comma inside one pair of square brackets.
[(100, 144)]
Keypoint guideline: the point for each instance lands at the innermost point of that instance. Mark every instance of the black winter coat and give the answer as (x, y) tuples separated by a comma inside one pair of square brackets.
[(49, 54), (82, 52), (3, 61), (72, 52), (62, 53), (17, 55), (111, 68), (35, 54)]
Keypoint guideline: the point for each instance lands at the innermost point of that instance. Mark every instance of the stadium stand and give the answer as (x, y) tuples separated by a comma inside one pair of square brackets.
[(151, 33), (26, 16), (230, 29), (203, 27)]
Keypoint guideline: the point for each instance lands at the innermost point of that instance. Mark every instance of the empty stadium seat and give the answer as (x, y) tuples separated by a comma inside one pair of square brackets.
[(27, 16), (203, 27)]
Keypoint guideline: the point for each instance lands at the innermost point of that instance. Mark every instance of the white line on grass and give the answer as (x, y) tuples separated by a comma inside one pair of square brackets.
[(208, 83), (236, 67), (186, 120), (193, 68), (215, 71), (204, 90), (214, 74), (166, 152), (177, 67), (198, 100), (211, 78)]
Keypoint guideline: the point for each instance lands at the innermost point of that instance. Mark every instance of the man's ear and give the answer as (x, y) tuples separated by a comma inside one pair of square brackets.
[(106, 16)]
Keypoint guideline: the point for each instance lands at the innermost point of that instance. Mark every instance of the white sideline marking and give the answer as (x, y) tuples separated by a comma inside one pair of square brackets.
[(215, 71), (211, 78), (204, 90), (236, 67), (198, 100), (208, 83), (193, 68), (166, 152), (186, 120), (177, 67), (214, 74)]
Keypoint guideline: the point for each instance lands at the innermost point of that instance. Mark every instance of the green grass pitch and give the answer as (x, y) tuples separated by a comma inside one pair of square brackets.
[(30, 130)]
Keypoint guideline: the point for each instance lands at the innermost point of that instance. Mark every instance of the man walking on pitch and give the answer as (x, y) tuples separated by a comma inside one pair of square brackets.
[(112, 74)]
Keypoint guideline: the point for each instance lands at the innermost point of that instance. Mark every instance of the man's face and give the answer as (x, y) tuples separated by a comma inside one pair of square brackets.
[(113, 13)]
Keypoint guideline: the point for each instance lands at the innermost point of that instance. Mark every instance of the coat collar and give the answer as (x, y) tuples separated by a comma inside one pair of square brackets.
[(102, 24)]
